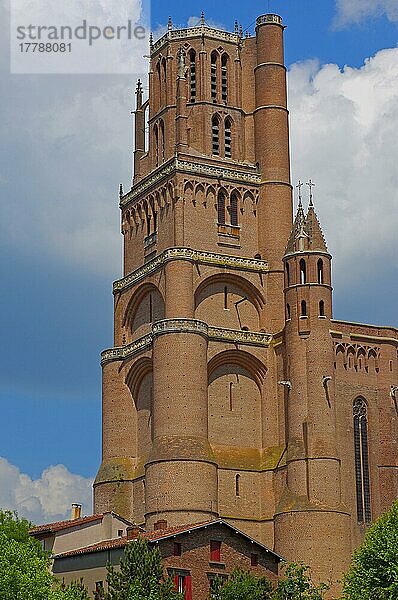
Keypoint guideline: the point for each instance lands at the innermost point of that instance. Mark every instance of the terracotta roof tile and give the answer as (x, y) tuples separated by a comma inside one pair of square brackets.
[(60, 525)]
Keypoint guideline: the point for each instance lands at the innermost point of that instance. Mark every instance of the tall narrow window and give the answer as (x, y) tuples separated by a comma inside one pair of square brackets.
[(231, 397), (228, 137), (320, 271), (221, 208), (288, 274), (215, 551), (215, 127), (226, 298), (156, 136), (162, 141), (234, 210), (321, 308), (362, 461), (192, 72), (303, 272), (224, 78), (303, 308), (214, 61), (288, 313), (237, 485)]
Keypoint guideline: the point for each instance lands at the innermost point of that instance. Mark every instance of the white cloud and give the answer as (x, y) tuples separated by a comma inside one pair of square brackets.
[(343, 128), (46, 499), (355, 11)]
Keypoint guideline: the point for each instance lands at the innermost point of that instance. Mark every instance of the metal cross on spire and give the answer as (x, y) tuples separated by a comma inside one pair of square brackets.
[(311, 185), (299, 186)]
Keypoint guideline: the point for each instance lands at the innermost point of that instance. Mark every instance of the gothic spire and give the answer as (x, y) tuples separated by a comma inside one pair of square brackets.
[(307, 232)]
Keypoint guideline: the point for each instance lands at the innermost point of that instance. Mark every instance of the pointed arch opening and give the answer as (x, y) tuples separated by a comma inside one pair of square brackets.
[(214, 67), (233, 209), (303, 272), (221, 207), (228, 137), (321, 308), (192, 75), (304, 308), (320, 271), (362, 478), (224, 77), (215, 128)]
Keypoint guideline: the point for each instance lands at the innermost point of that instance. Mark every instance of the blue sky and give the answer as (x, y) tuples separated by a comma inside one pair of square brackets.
[(65, 146)]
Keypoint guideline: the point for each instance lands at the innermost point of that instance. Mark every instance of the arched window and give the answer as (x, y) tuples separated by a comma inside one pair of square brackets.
[(303, 272), (303, 308), (221, 208), (362, 461), (156, 136), (192, 74), (288, 274), (215, 126), (233, 208), (224, 77), (288, 313), (237, 485), (320, 271), (214, 64), (321, 308), (228, 137), (162, 141)]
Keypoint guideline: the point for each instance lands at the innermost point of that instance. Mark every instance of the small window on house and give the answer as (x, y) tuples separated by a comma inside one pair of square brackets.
[(221, 208), (177, 549), (215, 551), (288, 313), (320, 271), (228, 138), (192, 70), (237, 485), (224, 78), (120, 533), (234, 210), (215, 128), (214, 61), (321, 308), (303, 272), (303, 308), (254, 560)]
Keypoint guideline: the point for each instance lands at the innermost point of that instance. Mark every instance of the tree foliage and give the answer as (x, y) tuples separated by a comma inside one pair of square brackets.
[(24, 566), (295, 584), (373, 574), (140, 576)]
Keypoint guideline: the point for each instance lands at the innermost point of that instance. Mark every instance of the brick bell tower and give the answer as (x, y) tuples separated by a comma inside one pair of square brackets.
[(196, 423)]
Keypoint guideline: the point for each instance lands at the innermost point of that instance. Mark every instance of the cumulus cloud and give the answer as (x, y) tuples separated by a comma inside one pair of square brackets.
[(46, 499), (343, 125), (355, 11)]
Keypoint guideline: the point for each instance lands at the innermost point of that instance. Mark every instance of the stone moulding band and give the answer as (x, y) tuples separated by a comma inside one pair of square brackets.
[(216, 334), (206, 258), (185, 166)]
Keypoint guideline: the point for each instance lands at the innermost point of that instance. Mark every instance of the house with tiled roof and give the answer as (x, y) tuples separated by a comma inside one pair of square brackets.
[(193, 555)]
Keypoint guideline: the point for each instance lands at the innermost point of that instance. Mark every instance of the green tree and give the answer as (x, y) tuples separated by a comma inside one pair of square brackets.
[(296, 584), (24, 565), (140, 576), (373, 574), (243, 585)]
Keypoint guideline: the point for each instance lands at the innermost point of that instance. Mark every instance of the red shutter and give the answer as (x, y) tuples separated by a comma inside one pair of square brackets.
[(215, 551), (175, 579), (188, 587)]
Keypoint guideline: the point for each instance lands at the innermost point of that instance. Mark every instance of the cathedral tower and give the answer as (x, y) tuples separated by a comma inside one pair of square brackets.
[(230, 390)]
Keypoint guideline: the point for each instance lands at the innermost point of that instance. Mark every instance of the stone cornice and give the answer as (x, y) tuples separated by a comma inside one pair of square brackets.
[(206, 258), (185, 166), (189, 32), (216, 334)]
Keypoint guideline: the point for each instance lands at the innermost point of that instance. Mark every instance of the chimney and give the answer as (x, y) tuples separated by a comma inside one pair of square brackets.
[(76, 511), (133, 532), (161, 524)]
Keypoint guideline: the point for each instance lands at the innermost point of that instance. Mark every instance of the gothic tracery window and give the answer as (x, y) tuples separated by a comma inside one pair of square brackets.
[(234, 210), (214, 66), (362, 479), (221, 208), (224, 77), (215, 125), (192, 75), (228, 137)]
